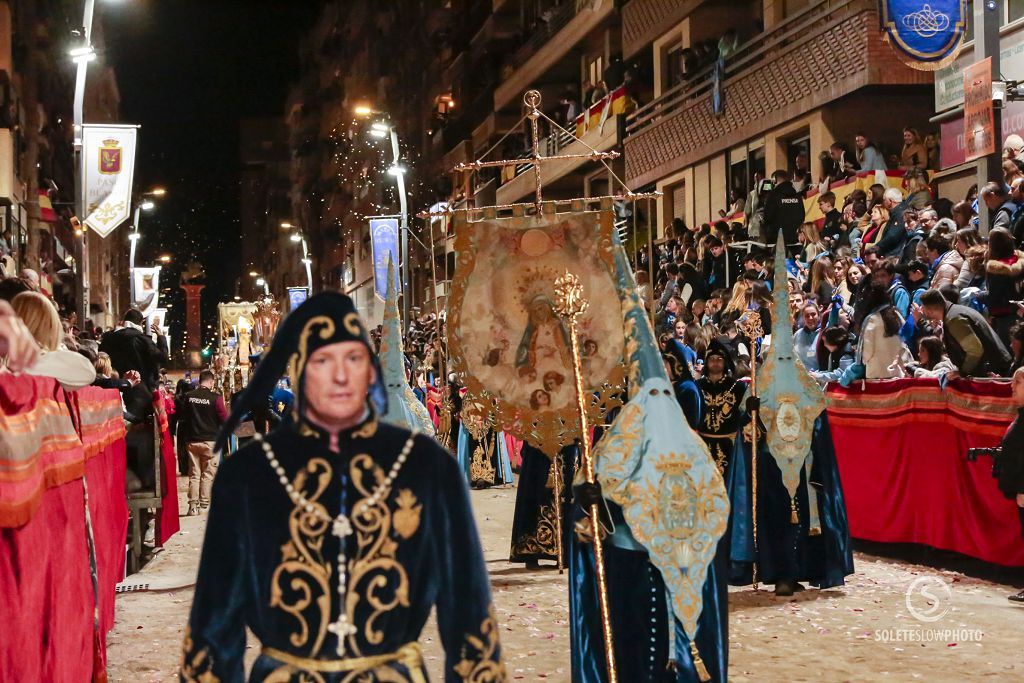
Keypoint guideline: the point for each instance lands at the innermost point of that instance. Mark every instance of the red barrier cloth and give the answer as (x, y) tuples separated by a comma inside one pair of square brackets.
[(901, 447), (39, 448), (46, 591), (169, 522), (103, 432)]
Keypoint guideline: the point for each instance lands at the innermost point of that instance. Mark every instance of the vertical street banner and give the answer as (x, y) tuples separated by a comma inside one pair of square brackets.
[(927, 35), (158, 316), (146, 289), (384, 246), (979, 119), (108, 167), (296, 297)]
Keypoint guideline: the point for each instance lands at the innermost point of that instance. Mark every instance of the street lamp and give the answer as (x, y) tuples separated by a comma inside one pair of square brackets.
[(165, 258), (261, 282), (306, 261), (381, 128), (144, 203)]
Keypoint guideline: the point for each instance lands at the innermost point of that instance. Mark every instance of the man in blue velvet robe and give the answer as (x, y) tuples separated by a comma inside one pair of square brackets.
[(333, 537)]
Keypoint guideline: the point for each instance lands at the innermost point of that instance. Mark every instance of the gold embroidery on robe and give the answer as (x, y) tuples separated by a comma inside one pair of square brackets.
[(478, 663), (407, 516), (544, 540), (480, 468), (717, 409), (301, 582), (541, 542), (290, 674), (377, 582), (196, 665)]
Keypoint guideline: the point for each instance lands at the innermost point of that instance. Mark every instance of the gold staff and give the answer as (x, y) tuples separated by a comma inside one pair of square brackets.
[(750, 325), (571, 305), (556, 463)]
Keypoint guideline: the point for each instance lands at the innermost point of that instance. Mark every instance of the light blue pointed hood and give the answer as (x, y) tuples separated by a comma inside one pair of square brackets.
[(790, 398), (658, 469), (404, 409)]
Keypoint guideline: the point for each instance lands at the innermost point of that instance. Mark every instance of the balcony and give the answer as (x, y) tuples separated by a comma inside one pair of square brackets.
[(548, 44), (595, 129), (776, 77)]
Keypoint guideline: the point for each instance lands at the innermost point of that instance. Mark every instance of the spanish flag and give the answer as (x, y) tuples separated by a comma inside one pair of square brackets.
[(46, 212)]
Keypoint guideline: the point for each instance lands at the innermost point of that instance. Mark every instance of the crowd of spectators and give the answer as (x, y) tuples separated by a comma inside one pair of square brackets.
[(893, 282)]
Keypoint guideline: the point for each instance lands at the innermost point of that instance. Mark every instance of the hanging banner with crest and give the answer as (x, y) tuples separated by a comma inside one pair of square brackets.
[(506, 340), (108, 167), (926, 35), (146, 289), (384, 248)]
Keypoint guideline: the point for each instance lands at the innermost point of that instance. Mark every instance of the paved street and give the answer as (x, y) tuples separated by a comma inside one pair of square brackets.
[(847, 634)]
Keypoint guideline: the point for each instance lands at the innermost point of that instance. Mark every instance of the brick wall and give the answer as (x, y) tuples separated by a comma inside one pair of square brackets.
[(835, 61), (643, 21)]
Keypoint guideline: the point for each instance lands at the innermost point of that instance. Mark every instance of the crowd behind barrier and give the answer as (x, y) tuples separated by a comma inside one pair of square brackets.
[(62, 481)]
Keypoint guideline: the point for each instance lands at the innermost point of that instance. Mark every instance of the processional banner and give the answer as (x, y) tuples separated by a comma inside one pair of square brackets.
[(506, 338), (108, 167), (146, 289), (384, 248)]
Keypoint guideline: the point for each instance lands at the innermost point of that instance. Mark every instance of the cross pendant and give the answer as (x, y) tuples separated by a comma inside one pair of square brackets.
[(341, 527), (342, 628)]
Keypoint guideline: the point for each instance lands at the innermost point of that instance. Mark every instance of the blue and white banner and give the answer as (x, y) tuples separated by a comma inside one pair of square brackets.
[(927, 33), (296, 297), (384, 245)]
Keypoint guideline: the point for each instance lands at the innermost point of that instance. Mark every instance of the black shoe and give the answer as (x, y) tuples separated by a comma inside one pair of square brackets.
[(798, 587), (1018, 597), (532, 564), (784, 588)]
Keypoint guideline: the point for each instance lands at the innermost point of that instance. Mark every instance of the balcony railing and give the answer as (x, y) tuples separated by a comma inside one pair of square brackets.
[(561, 15), (813, 20)]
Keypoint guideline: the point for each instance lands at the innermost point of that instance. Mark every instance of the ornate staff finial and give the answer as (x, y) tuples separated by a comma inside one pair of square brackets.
[(569, 294)]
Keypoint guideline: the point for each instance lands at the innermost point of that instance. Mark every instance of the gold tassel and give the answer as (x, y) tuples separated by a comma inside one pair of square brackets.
[(794, 518), (698, 664)]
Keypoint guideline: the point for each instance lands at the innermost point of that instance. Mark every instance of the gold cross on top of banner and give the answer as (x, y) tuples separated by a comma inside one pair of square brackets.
[(532, 100)]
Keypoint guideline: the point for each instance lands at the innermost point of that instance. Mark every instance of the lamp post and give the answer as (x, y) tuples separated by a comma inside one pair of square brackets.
[(306, 260), (145, 203), (81, 56), (382, 129)]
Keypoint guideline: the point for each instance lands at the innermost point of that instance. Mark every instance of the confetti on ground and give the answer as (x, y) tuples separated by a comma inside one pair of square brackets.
[(848, 633)]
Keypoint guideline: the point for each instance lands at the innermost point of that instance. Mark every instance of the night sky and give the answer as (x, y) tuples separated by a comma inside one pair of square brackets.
[(188, 72)]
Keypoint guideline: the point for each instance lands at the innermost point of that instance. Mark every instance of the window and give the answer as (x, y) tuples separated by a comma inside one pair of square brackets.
[(676, 208), (799, 146), (1014, 10), (672, 66), (595, 70)]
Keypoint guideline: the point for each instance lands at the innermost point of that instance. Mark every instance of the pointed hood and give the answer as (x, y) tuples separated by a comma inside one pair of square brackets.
[(653, 465), (404, 409), (790, 398), (324, 319)]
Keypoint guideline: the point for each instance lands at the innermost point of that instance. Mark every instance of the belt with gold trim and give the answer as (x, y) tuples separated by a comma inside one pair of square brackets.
[(729, 435), (410, 655)]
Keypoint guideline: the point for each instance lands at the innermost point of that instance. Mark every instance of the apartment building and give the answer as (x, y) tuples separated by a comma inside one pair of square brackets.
[(36, 164), (360, 54), (798, 75)]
